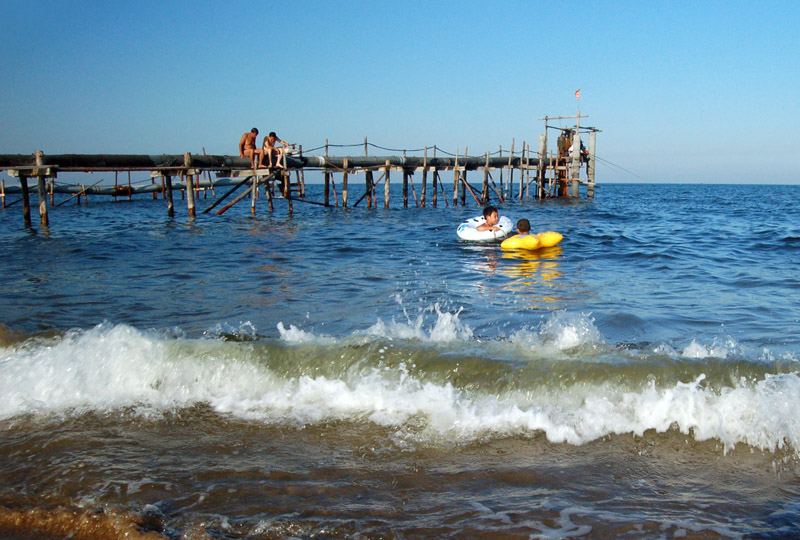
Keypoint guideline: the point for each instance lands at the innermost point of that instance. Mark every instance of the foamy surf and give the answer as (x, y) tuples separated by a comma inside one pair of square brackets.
[(118, 367)]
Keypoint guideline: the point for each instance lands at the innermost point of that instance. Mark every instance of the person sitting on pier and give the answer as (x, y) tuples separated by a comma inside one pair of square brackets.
[(492, 217), (247, 147), (269, 148)]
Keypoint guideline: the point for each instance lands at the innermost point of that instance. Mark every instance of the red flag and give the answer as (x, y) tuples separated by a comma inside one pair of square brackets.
[(578, 93)]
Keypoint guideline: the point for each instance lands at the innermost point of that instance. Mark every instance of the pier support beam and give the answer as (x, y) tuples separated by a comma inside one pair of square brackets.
[(540, 167), (42, 190), (424, 178), (386, 185), (168, 190), (187, 162), (254, 192), (405, 188), (344, 184), (590, 166), (26, 200), (510, 185), (369, 187), (576, 164)]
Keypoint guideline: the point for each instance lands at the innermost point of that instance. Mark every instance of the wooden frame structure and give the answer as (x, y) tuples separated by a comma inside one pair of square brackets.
[(194, 174)]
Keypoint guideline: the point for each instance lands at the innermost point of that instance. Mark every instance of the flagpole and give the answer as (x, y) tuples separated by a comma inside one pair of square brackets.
[(576, 148)]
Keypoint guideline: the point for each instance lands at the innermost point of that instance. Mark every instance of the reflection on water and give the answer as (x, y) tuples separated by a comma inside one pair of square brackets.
[(533, 274)]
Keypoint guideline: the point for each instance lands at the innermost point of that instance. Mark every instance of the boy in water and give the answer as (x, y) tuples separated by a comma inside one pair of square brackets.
[(523, 227), (491, 217)]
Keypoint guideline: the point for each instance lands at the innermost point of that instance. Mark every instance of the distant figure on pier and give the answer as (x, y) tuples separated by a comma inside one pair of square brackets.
[(491, 216), (269, 148), (564, 142), (247, 147)]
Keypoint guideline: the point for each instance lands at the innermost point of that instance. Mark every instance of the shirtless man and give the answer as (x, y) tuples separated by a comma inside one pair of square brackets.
[(247, 147), (491, 217), (269, 148)]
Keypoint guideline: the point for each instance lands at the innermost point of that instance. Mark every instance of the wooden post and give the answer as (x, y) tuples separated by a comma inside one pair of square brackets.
[(254, 193), (405, 188), (464, 178), (502, 185), (576, 163), (301, 177), (369, 188), (168, 194), (268, 193), (327, 177), (42, 190), (464, 186), (3, 192), (365, 147), (26, 201), (344, 183), (436, 180), (386, 186), (590, 166), (540, 168), (187, 162), (424, 177), (287, 188), (413, 189), (523, 173), (456, 178), (485, 191), (51, 187), (333, 189), (511, 171)]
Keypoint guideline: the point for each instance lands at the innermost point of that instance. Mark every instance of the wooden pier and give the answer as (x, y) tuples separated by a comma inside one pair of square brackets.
[(551, 175)]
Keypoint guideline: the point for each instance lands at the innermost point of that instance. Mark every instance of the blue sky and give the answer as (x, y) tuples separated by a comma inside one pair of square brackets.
[(682, 91)]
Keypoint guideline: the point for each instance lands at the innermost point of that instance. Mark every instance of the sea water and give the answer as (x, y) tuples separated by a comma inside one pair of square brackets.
[(362, 373)]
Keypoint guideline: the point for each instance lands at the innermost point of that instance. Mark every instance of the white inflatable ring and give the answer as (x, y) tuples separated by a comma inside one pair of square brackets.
[(469, 230)]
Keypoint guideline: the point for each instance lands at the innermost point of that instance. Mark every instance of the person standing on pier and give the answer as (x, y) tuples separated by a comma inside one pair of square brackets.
[(247, 147), (269, 148)]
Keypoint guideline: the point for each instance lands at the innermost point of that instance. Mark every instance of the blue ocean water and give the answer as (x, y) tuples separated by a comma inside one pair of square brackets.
[(354, 372)]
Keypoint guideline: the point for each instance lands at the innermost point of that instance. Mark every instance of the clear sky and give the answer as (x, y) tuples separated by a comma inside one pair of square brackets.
[(689, 91)]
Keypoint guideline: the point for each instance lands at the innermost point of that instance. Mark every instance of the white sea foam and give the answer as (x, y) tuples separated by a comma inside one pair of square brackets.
[(446, 328), (296, 335), (112, 367), (560, 332), (721, 347)]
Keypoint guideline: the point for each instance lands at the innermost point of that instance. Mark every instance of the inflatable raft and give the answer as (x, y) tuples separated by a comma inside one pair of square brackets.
[(532, 241), (469, 230)]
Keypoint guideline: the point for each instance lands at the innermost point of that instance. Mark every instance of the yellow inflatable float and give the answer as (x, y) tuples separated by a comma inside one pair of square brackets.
[(532, 241)]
